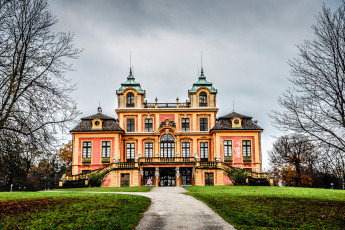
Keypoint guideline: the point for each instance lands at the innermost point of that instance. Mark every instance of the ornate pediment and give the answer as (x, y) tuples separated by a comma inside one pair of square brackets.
[(168, 123)]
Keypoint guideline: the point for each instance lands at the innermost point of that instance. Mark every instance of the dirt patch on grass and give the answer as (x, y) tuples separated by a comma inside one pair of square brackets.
[(24, 206)]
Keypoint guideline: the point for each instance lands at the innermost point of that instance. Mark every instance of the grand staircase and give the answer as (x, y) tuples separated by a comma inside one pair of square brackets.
[(81, 180)]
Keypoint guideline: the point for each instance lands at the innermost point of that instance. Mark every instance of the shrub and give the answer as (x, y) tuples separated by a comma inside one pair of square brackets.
[(239, 176), (96, 179)]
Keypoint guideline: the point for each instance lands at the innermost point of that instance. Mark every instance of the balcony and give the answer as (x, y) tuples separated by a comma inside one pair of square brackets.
[(169, 160), (207, 165)]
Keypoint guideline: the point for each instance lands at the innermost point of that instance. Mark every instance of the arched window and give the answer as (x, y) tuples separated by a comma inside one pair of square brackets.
[(130, 99), (167, 146), (203, 99)]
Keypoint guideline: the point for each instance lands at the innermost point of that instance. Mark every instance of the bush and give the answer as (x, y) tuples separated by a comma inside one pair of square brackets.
[(96, 179), (239, 176)]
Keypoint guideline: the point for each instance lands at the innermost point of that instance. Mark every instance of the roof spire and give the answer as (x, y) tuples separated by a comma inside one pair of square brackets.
[(233, 105), (202, 68)]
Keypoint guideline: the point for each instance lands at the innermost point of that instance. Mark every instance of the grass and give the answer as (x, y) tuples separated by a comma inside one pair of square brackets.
[(109, 189), (40, 210), (250, 207)]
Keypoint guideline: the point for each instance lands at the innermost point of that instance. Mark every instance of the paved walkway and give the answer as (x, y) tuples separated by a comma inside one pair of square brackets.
[(172, 209)]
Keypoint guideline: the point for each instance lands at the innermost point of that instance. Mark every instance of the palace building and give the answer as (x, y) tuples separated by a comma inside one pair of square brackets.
[(165, 144)]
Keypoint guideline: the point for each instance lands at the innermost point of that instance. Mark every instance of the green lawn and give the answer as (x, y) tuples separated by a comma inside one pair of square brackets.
[(250, 207), (40, 210), (109, 189)]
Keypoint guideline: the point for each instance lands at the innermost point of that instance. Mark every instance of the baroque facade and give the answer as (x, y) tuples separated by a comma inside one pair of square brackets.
[(166, 144)]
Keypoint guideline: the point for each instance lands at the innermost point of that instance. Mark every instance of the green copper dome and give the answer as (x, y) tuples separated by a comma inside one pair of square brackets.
[(202, 82), (130, 83)]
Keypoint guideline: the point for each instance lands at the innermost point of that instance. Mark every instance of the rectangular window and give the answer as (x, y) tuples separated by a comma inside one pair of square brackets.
[(246, 148), (203, 124), (105, 149), (227, 148), (204, 151), (149, 150), (148, 125), (185, 149), (185, 124), (130, 125), (87, 149), (130, 152)]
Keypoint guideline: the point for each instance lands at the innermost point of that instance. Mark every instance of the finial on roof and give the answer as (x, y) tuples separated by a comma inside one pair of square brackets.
[(201, 59), (99, 110), (233, 105)]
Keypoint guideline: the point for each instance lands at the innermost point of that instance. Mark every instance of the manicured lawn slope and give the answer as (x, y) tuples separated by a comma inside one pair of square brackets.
[(250, 207), (109, 189), (38, 210)]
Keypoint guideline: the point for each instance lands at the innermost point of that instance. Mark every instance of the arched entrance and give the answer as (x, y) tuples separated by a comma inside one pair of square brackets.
[(167, 177)]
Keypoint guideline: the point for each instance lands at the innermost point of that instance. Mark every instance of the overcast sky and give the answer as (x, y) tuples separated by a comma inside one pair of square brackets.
[(245, 45)]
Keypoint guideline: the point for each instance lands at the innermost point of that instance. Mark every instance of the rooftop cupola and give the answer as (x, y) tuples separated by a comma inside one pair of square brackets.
[(202, 94), (130, 83), (202, 82), (130, 94)]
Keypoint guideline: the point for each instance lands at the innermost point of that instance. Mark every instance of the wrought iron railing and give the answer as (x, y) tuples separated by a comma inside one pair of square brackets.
[(166, 159), (86, 160), (167, 105), (247, 159)]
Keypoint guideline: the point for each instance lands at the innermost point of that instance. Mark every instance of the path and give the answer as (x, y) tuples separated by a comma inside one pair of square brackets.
[(172, 209)]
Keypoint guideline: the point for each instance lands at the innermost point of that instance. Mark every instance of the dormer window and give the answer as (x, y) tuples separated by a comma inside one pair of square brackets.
[(130, 99), (97, 124), (203, 99), (236, 123)]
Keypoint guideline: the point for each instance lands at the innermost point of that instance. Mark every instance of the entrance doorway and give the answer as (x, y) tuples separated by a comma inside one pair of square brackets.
[(124, 179), (148, 177), (167, 177), (209, 179), (186, 176)]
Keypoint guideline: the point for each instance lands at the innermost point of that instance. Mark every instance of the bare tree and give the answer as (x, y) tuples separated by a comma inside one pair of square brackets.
[(316, 105), (34, 93), (295, 153)]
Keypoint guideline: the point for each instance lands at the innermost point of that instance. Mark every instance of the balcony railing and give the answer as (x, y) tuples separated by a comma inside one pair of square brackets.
[(166, 160), (167, 105), (208, 164), (228, 159), (86, 160), (247, 159), (105, 159)]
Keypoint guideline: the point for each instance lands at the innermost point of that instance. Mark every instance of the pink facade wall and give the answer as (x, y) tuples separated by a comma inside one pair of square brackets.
[(163, 117), (96, 153), (107, 181)]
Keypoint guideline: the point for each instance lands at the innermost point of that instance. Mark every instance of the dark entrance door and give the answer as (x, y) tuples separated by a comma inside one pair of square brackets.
[(209, 179), (124, 179), (148, 177), (186, 176), (167, 178)]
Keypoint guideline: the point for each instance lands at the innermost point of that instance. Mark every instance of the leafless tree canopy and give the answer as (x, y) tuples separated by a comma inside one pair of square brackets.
[(34, 94), (316, 105)]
